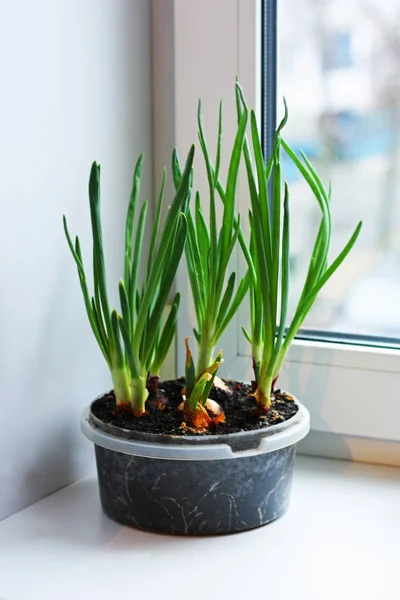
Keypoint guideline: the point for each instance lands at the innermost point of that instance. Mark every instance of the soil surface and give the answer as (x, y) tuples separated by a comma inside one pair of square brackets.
[(163, 417)]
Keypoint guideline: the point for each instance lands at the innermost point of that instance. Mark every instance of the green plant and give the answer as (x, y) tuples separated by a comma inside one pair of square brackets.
[(134, 344), (208, 252), (197, 390), (269, 254)]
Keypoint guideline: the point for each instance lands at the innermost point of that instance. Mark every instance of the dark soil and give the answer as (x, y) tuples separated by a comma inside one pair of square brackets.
[(163, 417)]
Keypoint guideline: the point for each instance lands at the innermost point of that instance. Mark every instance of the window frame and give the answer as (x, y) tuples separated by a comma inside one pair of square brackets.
[(349, 388)]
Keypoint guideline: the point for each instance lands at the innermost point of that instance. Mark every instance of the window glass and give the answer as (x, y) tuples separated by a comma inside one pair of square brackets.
[(339, 69)]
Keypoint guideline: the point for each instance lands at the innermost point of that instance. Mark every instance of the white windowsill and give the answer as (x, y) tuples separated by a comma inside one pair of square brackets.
[(338, 540)]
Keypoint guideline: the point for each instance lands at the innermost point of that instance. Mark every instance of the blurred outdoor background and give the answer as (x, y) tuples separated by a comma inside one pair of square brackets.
[(339, 69)]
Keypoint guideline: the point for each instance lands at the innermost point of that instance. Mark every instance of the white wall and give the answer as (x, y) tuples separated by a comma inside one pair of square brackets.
[(75, 86)]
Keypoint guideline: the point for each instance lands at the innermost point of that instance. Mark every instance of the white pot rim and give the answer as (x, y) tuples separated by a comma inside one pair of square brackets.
[(209, 447)]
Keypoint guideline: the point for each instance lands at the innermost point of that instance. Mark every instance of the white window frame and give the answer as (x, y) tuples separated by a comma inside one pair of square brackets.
[(351, 391)]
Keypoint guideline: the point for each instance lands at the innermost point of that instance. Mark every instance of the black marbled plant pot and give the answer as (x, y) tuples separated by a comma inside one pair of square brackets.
[(243, 482), (195, 497)]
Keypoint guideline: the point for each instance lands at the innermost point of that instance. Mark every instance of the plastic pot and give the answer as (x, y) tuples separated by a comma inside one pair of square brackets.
[(195, 485)]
